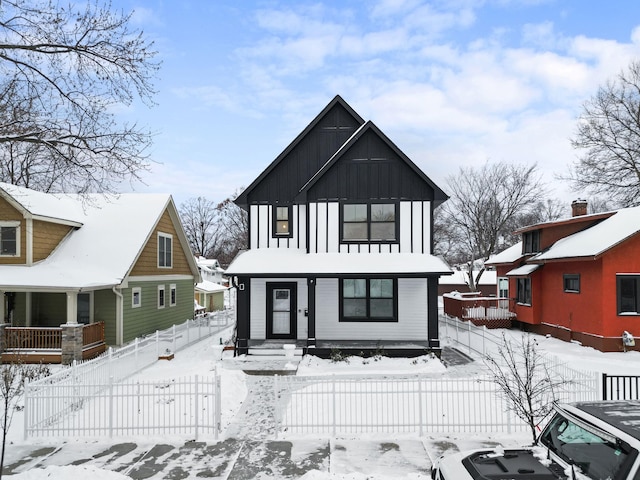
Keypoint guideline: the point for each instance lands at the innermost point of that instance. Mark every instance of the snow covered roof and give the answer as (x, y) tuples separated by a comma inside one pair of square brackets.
[(597, 239), (510, 255), (460, 277), (210, 287), (281, 261), (101, 252), (57, 207), (523, 271)]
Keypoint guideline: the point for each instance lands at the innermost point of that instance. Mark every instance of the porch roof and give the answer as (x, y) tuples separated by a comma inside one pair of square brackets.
[(523, 271), (296, 262), (210, 287)]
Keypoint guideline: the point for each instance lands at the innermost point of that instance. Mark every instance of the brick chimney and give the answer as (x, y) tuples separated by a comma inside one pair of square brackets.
[(578, 207)]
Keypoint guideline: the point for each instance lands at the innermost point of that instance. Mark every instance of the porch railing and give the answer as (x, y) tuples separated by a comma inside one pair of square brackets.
[(473, 306), (93, 333), (33, 338)]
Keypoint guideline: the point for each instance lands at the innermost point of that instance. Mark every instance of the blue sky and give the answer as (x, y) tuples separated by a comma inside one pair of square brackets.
[(451, 82)]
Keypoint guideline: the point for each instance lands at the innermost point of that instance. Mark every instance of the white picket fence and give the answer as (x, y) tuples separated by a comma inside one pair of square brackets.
[(419, 404), (186, 406), (49, 401)]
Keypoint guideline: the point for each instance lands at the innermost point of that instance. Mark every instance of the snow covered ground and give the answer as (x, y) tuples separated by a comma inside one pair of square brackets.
[(355, 458)]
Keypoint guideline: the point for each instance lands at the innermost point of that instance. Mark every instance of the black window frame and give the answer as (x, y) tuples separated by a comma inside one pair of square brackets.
[(571, 282), (523, 290), (369, 222), (274, 221), (634, 285), (531, 242), (368, 318)]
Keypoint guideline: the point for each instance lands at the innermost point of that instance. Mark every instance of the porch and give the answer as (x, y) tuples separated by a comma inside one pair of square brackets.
[(493, 312), (50, 344)]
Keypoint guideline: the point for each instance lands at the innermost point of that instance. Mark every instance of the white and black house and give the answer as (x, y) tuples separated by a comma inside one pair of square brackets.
[(340, 244)]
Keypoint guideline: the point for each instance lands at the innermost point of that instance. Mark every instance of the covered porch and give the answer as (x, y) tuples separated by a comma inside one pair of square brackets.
[(49, 326)]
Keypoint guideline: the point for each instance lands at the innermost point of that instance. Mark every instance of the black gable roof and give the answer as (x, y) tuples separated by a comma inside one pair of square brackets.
[(337, 157), (281, 181), (370, 166)]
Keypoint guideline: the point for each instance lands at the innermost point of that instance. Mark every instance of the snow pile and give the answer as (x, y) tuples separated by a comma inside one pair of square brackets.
[(54, 472), (311, 365)]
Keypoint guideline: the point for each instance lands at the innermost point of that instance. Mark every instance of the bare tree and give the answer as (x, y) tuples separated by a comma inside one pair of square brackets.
[(64, 69), (233, 223), (608, 133), (13, 376), (529, 386), (483, 206), (199, 217)]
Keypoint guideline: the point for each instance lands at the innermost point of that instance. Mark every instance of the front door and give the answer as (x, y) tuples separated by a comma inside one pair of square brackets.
[(281, 310)]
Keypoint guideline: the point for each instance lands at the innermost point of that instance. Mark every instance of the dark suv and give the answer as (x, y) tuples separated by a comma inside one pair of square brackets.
[(586, 440)]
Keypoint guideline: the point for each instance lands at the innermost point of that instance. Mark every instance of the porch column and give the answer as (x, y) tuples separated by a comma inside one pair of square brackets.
[(311, 313), (27, 308), (432, 312), (3, 311), (72, 342), (72, 307)]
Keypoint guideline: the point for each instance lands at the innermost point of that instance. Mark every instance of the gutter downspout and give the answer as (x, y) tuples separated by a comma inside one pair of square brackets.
[(119, 315)]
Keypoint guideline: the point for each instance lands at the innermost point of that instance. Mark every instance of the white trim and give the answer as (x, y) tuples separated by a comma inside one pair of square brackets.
[(135, 290), (173, 295), (164, 298), (165, 236), (158, 278)]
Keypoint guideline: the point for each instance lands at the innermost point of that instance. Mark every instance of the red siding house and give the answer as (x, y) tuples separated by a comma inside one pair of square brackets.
[(578, 279)]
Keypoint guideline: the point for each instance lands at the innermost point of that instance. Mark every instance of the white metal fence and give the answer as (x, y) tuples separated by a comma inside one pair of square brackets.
[(189, 406), (400, 404), (52, 398)]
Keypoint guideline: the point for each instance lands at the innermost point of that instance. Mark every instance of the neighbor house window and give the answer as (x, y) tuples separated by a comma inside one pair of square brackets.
[(10, 239), (136, 297), (503, 287), (531, 242), (282, 224), (571, 283), (161, 300), (172, 295), (369, 222), (628, 293), (165, 250), (368, 300), (523, 294)]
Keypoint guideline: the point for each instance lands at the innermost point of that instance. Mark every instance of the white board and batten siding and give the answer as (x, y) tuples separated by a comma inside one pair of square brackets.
[(324, 229), (412, 314), (261, 228), (258, 310)]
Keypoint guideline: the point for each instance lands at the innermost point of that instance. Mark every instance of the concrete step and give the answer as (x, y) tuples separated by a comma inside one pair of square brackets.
[(273, 352)]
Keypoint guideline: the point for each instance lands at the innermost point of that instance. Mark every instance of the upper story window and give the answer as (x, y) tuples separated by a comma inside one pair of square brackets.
[(9, 239), (628, 293), (282, 221), (165, 250), (531, 241), (369, 222), (571, 282)]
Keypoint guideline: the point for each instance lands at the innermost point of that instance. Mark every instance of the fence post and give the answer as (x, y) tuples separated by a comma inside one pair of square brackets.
[(111, 407), (333, 385), (173, 332), (27, 393), (196, 408), (188, 331), (218, 416), (604, 386), (157, 344), (420, 416), (276, 416)]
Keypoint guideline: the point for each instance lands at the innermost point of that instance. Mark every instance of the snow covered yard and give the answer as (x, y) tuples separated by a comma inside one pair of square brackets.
[(355, 457)]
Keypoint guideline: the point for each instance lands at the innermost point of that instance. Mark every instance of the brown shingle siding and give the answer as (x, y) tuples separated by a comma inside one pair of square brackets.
[(46, 237)]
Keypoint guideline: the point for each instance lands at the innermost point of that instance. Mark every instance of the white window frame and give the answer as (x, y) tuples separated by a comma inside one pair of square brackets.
[(162, 299), (134, 291), (15, 224), (173, 295), (170, 237)]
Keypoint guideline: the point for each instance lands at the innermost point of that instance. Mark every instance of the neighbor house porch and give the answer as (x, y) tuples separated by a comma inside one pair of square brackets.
[(493, 312)]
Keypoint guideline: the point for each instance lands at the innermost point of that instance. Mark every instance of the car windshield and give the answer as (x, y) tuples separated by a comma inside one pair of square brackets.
[(599, 458)]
